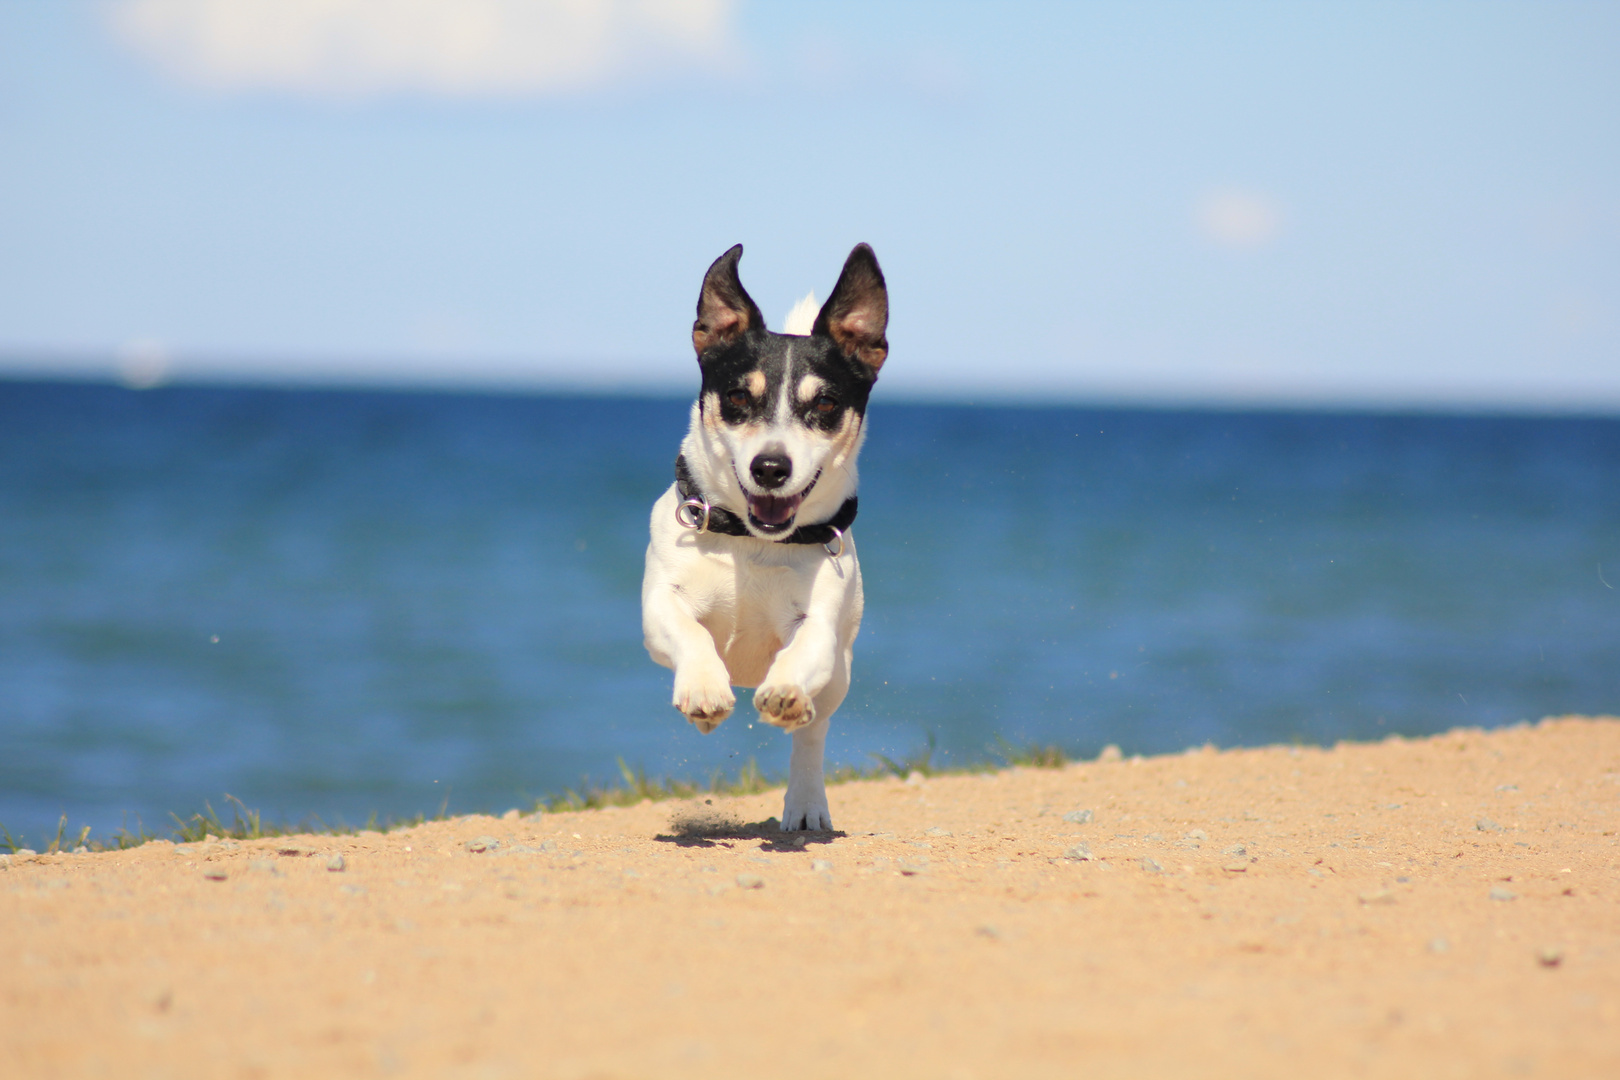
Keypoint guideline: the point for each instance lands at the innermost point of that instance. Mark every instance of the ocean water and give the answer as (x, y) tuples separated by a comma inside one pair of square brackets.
[(344, 603)]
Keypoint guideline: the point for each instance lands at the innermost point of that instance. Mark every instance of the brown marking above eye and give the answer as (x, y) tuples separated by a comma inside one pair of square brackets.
[(755, 382)]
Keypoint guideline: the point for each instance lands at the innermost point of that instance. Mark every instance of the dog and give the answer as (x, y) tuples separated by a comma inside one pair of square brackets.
[(751, 577)]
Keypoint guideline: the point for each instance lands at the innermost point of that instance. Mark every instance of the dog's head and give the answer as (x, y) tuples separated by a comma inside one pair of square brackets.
[(780, 418)]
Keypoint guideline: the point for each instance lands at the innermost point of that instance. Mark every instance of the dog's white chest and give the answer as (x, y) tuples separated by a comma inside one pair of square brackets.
[(746, 621), (751, 598)]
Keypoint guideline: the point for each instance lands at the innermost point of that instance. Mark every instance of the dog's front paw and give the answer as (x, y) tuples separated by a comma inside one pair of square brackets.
[(786, 706), (705, 702)]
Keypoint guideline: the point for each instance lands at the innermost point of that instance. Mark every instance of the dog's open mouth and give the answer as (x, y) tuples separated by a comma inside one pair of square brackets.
[(773, 514)]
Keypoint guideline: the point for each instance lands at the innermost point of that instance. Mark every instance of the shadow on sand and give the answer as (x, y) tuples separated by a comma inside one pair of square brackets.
[(703, 826)]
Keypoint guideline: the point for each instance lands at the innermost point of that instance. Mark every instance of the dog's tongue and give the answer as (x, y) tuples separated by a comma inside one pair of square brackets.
[(774, 510)]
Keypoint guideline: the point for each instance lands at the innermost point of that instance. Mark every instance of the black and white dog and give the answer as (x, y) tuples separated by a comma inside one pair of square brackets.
[(751, 573)]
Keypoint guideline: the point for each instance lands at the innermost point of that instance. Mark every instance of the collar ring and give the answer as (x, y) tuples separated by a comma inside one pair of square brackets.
[(693, 514)]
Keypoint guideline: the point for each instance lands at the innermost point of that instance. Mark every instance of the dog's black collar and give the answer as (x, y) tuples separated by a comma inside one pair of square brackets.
[(725, 522)]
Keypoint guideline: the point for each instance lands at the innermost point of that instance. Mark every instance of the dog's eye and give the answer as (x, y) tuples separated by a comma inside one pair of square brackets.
[(738, 398), (826, 403)]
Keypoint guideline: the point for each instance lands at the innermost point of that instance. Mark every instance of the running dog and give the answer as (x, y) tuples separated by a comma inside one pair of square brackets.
[(751, 573)]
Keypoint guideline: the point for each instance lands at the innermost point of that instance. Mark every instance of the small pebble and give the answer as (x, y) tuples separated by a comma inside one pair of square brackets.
[(1236, 849), (214, 875), (26, 851), (1439, 945), (511, 815), (264, 866), (482, 843), (937, 831), (1378, 896), (548, 845), (750, 881), (914, 777), (820, 865), (1079, 853), (1236, 867), (1485, 824), (335, 863), (1153, 837), (1550, 956), (1110, 753), (1499, 893), (1152, 865), (1078, 817), (1197, 834)]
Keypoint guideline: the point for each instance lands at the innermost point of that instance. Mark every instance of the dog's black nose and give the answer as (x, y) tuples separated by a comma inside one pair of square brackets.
[(771, 471)]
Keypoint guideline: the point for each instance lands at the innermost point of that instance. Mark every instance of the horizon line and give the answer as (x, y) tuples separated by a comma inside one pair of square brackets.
[(1204, 398)]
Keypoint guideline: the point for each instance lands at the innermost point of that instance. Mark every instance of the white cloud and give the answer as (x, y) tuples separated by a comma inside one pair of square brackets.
[(1242, 219), (144, 363), (459, 48)]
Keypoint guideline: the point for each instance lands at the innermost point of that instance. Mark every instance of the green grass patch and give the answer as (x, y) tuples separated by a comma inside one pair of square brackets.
[(636, 786), (633, 788)]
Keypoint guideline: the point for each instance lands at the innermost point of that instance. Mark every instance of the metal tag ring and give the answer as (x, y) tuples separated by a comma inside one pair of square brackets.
[(693, 514), (828, 545)]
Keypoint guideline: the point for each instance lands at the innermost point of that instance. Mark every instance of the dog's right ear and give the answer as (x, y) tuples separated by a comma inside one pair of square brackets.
[(725, 311)]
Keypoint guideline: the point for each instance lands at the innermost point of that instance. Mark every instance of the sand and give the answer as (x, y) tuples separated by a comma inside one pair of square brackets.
[(1437, 907)]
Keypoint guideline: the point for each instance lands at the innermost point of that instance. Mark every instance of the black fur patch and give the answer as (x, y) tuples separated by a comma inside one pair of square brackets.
[(729, 373), (745, 370)]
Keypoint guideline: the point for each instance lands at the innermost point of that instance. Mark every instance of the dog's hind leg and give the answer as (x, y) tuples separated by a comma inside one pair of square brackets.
[(805, 806)]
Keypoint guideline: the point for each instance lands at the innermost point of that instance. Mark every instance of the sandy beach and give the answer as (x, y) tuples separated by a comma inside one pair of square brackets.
[(1447, 906)]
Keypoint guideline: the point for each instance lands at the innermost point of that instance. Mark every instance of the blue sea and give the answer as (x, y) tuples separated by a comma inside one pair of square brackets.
[(342, 604)]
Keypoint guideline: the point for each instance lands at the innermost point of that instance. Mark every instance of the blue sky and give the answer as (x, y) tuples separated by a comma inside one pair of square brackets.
[(1343, 204)]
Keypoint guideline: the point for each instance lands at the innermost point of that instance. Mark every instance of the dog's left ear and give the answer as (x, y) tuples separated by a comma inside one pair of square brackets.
[(857, 313)]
